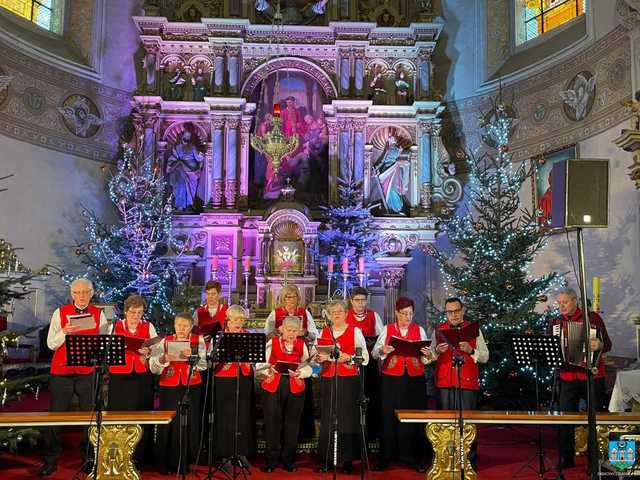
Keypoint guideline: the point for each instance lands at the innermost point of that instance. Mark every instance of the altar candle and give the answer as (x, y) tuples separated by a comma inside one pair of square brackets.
[(360, 264), (214, 262), (330, 265), (230, 262), (345, 265), (247, 263), (596, 293)]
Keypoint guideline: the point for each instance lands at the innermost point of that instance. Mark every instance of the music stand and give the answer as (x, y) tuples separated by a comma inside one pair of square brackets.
[(536, 350), (239, 348), (97, 351)]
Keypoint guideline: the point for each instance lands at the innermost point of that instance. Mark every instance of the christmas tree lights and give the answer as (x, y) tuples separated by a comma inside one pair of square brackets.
[(132, 255), (495, 243)]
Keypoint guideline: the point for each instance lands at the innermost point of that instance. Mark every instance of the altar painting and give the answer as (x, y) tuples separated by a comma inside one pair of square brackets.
[(300, 99)]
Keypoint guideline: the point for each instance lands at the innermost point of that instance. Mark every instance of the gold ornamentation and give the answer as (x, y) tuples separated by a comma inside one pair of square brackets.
[(580, 436), (117, 444), (274, 144), (447, 460)]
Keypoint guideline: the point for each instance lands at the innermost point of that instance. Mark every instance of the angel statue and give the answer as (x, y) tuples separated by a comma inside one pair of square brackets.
[(183, 169), (579, 94), (390, 177)]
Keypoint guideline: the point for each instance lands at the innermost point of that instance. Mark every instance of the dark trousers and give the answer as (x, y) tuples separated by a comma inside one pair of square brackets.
[(449, 401), (168, 441), (372, 392), (134, 392), (307, 422), (570, 395), (282, 412), (348, 419), (224, 424), (404, 442), (62, 389)]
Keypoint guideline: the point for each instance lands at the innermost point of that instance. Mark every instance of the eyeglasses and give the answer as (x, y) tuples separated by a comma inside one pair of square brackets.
[(358, 299), (82, 292), (453, 312)]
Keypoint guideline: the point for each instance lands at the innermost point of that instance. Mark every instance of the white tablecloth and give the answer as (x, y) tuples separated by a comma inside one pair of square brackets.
[(627, 388)]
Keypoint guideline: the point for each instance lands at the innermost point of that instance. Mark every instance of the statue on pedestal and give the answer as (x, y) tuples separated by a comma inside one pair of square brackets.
[(183, 170)]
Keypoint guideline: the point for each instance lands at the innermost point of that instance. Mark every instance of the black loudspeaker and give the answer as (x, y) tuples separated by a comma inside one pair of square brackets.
[(580, 193)]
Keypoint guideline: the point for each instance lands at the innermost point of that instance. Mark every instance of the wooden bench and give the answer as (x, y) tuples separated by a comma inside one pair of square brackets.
[(442, 430), (121, 432)]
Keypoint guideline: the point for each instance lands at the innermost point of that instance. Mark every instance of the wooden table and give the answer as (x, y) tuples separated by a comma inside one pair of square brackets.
[(442, 430), (121, 432)]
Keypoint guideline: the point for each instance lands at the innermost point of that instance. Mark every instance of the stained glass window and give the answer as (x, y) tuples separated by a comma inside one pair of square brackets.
[(536, 17), (44, 13)]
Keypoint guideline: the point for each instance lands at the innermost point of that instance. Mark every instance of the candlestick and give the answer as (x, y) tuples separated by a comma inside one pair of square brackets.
[(247, 263), (246, 274), (360, 264), (361, 278), (330, 265), (329, 277), (229, 277), (345, 277)]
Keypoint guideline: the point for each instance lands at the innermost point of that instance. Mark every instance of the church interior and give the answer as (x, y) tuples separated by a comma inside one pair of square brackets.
[(473, 164)]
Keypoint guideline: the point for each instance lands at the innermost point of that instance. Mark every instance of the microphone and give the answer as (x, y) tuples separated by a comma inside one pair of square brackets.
[(193, 358), (358, 359)]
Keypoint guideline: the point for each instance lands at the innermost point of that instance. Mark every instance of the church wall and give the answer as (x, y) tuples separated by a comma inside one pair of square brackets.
[(41, 210)]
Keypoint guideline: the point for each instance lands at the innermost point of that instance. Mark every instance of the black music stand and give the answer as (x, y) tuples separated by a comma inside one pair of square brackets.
[(239, 348), (99, 351), (536, 350)]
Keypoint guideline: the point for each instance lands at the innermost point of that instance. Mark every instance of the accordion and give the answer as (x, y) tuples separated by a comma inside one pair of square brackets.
[(573, 347)]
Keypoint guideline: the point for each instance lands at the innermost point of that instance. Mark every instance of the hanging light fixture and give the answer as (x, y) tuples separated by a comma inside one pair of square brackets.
[(274, 144)]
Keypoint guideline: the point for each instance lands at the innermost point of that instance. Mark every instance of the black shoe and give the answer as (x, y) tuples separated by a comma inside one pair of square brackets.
[(380, 467), (290, 467), (323, 470), (268, 469), (347, 467), (244, 463), (420, 468), (47, 469)]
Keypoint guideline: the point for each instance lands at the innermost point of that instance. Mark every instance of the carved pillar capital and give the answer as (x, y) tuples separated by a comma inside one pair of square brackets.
[(392, 276), (231, 123)]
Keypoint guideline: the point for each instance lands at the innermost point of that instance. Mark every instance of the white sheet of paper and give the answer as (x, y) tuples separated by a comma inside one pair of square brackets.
[(84, 321), (175, 349)]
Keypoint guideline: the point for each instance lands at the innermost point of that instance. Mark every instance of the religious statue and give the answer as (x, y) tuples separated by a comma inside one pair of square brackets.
[(199, 82), (183, 169), (377, 86), (402, 86), (176, 83), (390, 177)]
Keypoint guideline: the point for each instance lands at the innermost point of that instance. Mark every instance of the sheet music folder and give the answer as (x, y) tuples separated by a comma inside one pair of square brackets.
[(408, 348), (453, 336)]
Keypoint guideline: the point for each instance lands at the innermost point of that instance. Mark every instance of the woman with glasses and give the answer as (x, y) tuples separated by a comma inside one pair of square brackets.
[(403, 387)]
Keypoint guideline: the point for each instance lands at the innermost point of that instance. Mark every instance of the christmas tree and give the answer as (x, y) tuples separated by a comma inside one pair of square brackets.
[(131, 256), (347, 230), (495, 243)]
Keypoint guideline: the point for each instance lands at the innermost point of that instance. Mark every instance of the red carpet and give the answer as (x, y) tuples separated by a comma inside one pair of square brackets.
[(501, 451)]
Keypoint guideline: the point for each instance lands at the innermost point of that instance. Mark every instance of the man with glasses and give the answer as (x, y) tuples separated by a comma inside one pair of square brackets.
[(473, 353), (65, 380)]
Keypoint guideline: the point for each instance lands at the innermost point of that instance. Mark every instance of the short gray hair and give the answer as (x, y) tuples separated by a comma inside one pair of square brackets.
[(81, 280), (570, 292), (337, 303), (236, 311), (292, 320)]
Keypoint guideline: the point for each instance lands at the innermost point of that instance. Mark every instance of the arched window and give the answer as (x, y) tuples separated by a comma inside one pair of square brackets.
[(46, 14), (536, 17)]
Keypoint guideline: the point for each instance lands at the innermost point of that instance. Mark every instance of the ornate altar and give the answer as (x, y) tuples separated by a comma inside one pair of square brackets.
[(357, 95)]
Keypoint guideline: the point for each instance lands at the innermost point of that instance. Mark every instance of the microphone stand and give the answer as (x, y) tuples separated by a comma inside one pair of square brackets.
[(458, 362), (184, 405), (333, 442), (362, 404), (212, 363)]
